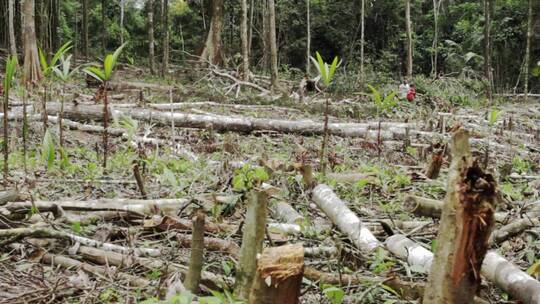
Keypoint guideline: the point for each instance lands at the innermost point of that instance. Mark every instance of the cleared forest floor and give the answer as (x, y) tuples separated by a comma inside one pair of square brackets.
[(48, 229)]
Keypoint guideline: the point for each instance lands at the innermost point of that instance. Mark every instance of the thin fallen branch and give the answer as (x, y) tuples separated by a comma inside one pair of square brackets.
[(20, 233), (66, 262)]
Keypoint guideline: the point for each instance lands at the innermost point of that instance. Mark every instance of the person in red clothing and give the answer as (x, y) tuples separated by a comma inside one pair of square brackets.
[(411, 94)]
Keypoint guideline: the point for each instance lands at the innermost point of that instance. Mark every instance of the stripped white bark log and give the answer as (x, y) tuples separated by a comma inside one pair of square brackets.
[(344, 218), (148, 207), (287, 213), (495, 268)]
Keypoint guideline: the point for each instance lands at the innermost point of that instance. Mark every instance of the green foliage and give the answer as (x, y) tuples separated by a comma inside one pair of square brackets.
[(76, 227), (104, 73), (11, 67), (325, 71), (48, 150), (246, 178), (493, 116), (333, 293), (520, 165), (48, 67), (381, 262), (383, 104), (65, 73)]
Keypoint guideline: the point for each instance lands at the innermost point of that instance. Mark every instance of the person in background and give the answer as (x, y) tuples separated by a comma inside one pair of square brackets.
[(404, 89), (411, 94)]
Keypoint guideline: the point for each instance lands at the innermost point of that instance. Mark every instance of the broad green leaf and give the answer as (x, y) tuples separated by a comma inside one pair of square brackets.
[(95, 72), (261, 174), (493, 115), (333, 68), (376, 94), (108, 65), (534, 269), (334, 294), (11, 66), (43, 61), (48, 152), (61, 51), (323, 68)]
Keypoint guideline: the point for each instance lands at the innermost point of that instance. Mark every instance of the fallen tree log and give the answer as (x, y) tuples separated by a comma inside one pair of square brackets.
[(495, 268), (344, 218), (20, 233), (144, 207), (421, 206), (389, 130)]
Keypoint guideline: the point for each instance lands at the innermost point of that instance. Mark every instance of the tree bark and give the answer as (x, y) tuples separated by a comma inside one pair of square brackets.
[(245, 42), (435, 45), (104, 26), (151, 41), (11, 26), (467, 220), (487, 50), (409, 39), (211, 52), (193, 277), (165, 62), (32, 70), (85, 28), (308, 42), (528, 51), (273, 44), (252, 242), (362, 43), (279, 276), (122, 13)]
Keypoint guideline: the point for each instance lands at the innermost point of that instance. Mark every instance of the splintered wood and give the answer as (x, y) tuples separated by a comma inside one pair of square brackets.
[(467, 219), (279, 276)]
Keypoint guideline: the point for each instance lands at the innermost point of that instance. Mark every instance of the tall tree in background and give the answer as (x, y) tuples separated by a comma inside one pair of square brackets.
[(273, 44), (251, 12), (362, 42), (11, 26), (32, 70), (104, 26), (212, 48), (165, 59), (435, 46), (528, 50), (245, 42), (308, 42), (151, 39), (85, 28), (55, 23), (122, 13), (409, 39), (487, 49)]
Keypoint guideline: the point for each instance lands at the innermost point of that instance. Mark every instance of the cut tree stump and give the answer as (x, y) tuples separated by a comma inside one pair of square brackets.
[(279, 276), (467, 220)]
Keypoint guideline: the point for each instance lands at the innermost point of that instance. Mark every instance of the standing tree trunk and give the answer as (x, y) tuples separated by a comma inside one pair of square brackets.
[(487, 50), (528, 51), (264, 35), (122, 13), (151, 40), (11, 26), (211, 52), (165, 62), (32, 70), (409, 39), (467, 220), (251, 12), (103, 26), (308, 42), (435, 45), (245, 42), (85, 28), (273, 44), (55, 15), (362, 43)]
